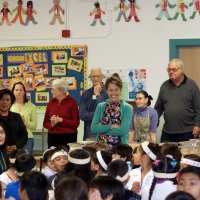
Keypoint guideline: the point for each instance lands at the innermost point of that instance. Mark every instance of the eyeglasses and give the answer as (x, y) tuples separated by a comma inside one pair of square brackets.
[(173, 69), (94, 76)]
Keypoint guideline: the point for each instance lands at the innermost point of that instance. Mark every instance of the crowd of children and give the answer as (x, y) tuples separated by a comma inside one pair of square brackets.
[(146, 172)]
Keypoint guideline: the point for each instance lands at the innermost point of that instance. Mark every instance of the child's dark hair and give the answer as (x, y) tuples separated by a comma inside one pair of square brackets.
[(102, 156), (180, 195), (36, 185), (117, 168), (146, 95), (171, 149), (114, 79), (10, 158), (90, 149), (190, 169), (154, 148), (166, 168), (108, 185), (83, 170), (125, 151), (71, 188)]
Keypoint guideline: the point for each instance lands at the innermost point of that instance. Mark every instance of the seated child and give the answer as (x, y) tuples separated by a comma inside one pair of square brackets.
[(106, 188), (58, 159), (165, 171), (71, 188), (119, 169), (33, 185), (24, 162), (10, 175), (100, 161), (46, 160), (189, 181), (142, 177)]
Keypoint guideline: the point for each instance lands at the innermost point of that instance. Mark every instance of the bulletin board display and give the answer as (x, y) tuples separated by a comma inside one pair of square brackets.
[(38, 66)]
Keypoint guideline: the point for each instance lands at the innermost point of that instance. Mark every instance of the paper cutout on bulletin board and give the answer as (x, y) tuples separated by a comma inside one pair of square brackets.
[(37, 67)]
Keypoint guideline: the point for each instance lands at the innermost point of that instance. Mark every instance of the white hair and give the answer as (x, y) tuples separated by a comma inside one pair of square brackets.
[(61, 84), (179, 61)]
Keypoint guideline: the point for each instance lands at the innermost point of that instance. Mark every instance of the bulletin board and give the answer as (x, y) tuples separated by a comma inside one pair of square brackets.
[(38, 66)]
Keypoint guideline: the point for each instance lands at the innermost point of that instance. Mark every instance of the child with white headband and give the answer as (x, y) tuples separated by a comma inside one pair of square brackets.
[(100, 161), (59, 159), (79, 165), (190, 160), (142, 177), (119, 169), (165, 170)]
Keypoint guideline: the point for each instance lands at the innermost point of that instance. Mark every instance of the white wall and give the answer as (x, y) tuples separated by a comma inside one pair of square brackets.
[(117, 45)]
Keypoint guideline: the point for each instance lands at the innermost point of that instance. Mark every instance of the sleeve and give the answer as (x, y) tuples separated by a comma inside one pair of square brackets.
[(159, 104), (74, 120), (84, 114), (32, 123), (196, 103), (22, 135), (153, 121), (96, 126), (47, 122), (131, 127)]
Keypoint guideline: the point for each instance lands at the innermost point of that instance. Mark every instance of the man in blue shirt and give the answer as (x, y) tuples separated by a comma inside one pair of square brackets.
[(90, 99)]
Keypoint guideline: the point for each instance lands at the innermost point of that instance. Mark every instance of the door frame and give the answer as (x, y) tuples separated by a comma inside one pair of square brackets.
[(175, 44)]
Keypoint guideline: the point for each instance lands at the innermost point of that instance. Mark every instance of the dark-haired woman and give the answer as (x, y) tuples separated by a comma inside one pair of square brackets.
[(145, 119), (17, 133), (112, 118), (27, 110)]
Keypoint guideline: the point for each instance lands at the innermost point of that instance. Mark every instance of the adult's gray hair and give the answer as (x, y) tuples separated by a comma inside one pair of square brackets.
[(179, 61), (61, 84)]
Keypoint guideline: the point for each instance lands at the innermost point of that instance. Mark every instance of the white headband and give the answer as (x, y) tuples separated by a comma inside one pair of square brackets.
[(190, 162), (78, 161), (123, 178), (101, 160), (59, 153), (147, 150), (164, 175)]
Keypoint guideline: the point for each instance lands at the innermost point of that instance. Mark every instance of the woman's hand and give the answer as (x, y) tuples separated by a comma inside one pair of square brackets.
[(115, 126), (131, 136), (55, 119)]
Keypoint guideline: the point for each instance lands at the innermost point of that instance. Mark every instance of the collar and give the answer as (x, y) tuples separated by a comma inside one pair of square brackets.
[(183, 82)]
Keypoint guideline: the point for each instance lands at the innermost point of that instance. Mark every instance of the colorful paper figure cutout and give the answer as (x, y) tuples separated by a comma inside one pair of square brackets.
[(122, 10), (133, 6), (57, 10), (180, 9), (19, 10), (97, 14), (164, 4), (5, 11), (196, 4), (29, 12)]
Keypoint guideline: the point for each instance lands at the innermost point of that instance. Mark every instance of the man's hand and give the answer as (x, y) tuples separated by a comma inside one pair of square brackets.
[(97, 89), (196, 131)]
